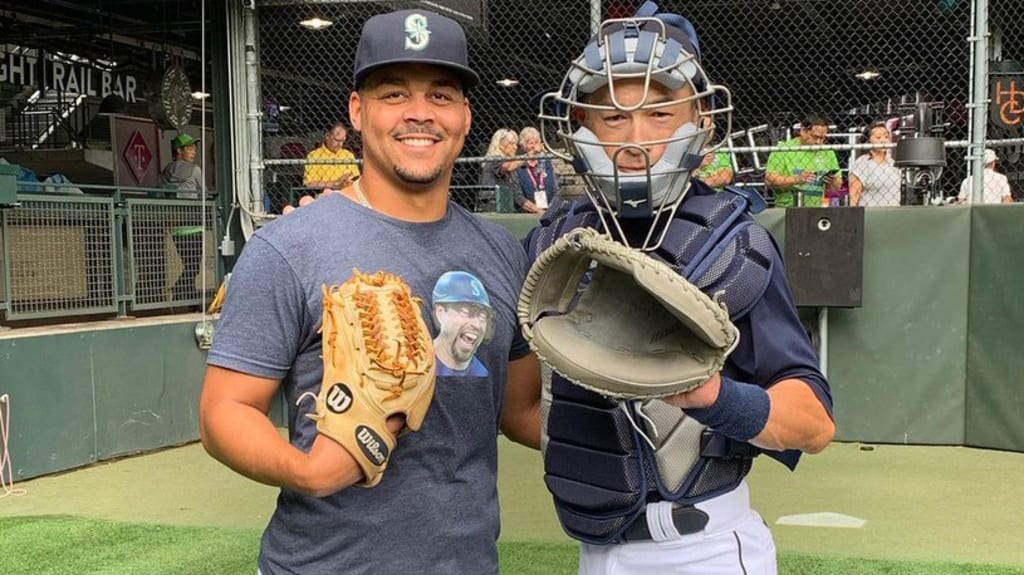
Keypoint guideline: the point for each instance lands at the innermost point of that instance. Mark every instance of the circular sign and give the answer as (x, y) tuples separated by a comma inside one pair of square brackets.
[(176, 97)]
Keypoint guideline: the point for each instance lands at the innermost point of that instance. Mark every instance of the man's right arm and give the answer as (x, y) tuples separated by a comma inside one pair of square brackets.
[(235, 430), (776, 172), (773, 172)]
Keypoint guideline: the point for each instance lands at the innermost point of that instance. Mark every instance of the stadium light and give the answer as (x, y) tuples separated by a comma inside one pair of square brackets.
[(316, 23)]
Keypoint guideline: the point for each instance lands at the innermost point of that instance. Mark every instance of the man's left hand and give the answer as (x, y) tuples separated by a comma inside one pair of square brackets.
[(704, 396), (306, 200), (832, 181)]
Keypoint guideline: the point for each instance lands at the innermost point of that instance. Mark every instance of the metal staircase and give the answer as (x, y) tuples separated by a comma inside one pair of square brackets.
[(49, 119)]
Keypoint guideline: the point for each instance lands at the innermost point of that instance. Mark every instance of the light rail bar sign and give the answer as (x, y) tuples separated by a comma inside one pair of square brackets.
[(27, 68)]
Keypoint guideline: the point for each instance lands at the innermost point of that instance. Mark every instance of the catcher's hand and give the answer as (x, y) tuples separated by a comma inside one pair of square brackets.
[(378, 362), (638, 330)]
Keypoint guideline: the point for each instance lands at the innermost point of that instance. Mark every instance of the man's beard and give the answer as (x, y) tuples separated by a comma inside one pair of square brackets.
[(463, 355), (410, 177)]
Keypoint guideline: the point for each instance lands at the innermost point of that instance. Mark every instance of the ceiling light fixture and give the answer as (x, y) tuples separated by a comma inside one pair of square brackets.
[(316, 23), (507, 82), (200, 95), (868, 75)]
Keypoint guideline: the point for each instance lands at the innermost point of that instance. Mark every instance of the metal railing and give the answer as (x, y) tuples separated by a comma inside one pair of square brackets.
[(104, 250)]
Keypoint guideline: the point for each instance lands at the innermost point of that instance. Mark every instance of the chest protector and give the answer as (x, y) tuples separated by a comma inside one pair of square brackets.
[(605, 459)]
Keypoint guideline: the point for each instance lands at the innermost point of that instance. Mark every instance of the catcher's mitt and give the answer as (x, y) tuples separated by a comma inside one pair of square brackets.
[(638, 330), (378, 361)]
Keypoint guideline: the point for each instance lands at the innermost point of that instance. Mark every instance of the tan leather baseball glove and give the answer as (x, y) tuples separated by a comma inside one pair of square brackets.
[(378, 362)]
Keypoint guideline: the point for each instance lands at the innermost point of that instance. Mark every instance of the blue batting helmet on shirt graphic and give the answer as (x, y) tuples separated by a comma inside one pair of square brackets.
[(465, 320)]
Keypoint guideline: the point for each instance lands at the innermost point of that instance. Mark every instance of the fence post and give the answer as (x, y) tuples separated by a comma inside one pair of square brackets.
[(979, 98), (123, 291)]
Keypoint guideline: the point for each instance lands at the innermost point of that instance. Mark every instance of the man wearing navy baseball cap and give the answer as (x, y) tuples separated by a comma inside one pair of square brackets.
[(435, 509), (413, 36)]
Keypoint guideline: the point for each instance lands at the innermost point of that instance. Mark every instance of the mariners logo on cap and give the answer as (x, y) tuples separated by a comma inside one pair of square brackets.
[(417, 36)]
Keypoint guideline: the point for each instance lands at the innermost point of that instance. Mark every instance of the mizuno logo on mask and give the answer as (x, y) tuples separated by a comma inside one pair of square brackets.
[(634, 203)]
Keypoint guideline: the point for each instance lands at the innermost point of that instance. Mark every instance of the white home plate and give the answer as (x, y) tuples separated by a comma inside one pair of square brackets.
[(826, 519)]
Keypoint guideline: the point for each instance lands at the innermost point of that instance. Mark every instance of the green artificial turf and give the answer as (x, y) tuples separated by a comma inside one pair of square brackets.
[(58, 545)]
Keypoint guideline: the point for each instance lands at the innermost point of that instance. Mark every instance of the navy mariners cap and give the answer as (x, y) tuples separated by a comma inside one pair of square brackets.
[(413, 37)]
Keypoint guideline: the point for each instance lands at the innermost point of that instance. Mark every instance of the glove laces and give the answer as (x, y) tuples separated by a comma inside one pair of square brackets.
[(638, 406)]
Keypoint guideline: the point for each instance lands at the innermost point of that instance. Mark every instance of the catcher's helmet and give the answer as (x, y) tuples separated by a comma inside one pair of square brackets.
[(651, 47), (460, 287)]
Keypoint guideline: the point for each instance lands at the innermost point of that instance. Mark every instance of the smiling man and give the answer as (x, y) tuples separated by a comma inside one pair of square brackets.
[(464, 315), (435, 509)]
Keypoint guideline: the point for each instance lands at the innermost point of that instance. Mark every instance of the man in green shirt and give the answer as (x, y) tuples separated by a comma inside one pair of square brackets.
[(811, 173), (716, 170)]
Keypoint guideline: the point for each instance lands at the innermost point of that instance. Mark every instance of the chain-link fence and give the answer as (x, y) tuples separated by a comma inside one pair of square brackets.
[(165, 252), (854, 63), (58, 257), (65, 255)]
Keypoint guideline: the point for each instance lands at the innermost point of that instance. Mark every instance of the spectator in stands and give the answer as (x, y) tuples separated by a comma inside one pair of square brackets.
[(537, 178), (793, 175), (997, 187), (716, 170), (183, 173), (874, 178), (333, 176), (501, 174)]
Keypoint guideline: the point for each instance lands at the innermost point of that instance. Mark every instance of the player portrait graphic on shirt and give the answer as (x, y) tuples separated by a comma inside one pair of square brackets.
[(465, 320)]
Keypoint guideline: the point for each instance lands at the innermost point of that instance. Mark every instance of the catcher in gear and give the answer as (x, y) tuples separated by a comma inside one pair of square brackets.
[(660, 397)]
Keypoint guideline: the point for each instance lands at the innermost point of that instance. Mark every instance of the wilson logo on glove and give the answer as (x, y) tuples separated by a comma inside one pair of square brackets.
[(339, 398), (371, 444)]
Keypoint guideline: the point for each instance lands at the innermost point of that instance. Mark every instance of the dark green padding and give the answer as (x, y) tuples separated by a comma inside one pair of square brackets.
[(995, 350)]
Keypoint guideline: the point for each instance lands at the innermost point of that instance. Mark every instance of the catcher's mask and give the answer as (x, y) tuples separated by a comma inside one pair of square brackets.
[(655, 48)]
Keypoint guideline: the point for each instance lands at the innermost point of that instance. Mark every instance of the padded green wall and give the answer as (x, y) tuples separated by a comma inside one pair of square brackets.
[(897, 365), (82, 396), (995, 345)]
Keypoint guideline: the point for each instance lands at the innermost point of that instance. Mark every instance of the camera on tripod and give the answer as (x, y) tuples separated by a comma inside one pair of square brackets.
[(920, 154)]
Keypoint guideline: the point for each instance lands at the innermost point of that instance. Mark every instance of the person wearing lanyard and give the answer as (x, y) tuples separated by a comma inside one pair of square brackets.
[(536, 176)]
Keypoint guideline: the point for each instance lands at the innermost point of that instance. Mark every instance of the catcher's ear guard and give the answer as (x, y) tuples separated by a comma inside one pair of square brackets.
[(638, 329)]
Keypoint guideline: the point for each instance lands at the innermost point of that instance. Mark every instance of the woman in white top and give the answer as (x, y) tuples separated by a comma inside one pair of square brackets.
[(874, 179), (997, 187)]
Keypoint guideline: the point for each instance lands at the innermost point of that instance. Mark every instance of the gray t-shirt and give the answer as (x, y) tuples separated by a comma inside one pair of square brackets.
[(436, 509), (185, 176), (881, 181)]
